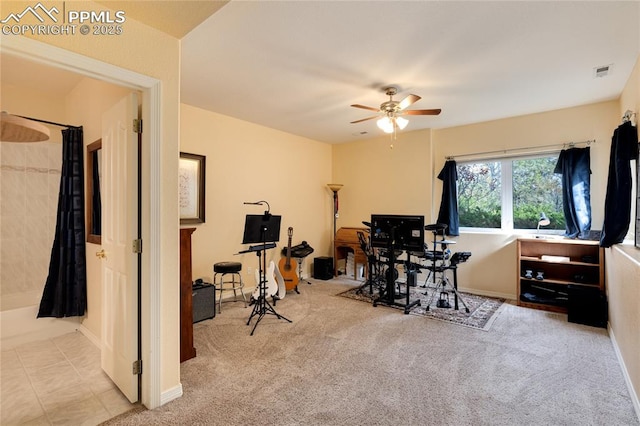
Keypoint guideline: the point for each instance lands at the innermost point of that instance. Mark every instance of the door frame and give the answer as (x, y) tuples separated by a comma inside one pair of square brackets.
[(150, 87)]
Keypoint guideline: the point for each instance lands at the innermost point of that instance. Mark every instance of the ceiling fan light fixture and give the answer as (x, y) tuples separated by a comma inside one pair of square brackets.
[(401, 122), (385, 124)]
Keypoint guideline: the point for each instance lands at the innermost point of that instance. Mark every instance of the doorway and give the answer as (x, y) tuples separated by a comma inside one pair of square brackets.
[(151, 177)]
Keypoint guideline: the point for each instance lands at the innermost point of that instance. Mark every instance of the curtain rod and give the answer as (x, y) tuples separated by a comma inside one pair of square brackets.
[(48, 122), (537, 150)]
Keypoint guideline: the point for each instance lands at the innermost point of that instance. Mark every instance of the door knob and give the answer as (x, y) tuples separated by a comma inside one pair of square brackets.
[(101, 254)]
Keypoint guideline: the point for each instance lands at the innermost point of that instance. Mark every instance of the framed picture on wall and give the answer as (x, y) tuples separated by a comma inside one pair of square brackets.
[(191, 177)]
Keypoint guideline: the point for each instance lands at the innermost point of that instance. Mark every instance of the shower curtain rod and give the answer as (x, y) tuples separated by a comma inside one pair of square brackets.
[(509, 152), (48, 122)]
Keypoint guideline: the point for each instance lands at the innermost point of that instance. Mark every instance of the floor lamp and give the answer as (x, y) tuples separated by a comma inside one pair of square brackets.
[(334, 187)]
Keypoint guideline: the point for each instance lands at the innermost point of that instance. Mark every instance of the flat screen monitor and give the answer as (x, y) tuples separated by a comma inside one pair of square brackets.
[(402, 232), (257, 224)]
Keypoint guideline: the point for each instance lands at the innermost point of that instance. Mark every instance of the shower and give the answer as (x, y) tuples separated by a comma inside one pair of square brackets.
[(16, 128)]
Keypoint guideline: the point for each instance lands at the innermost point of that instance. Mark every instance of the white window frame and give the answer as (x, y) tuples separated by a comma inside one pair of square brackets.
[(506, 185)]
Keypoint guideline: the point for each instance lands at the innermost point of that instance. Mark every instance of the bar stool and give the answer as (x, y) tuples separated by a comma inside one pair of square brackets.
[(235, 283)]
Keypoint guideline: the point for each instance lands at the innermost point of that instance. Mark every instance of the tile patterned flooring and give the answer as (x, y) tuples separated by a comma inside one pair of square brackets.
[(57, 381)]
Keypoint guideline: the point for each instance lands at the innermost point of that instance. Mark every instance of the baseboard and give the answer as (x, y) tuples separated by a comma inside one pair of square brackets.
[(488, 293), (171, 394), (625, 373), (89, 335)]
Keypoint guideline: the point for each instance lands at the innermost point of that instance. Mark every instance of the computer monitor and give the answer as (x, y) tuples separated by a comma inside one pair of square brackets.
[(261, 228), (402, 232)]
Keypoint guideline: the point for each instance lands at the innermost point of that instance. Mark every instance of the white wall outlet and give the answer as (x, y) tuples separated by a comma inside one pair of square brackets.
[(249, 270)]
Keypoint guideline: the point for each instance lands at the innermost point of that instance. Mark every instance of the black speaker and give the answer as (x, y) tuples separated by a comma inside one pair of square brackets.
[(204, 301), (323, 268), (587, 305)]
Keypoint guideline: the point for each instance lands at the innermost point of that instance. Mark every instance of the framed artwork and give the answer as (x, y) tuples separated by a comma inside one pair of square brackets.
[(191, 178)]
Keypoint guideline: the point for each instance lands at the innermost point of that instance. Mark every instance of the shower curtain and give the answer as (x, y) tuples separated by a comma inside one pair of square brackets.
[(65, 291), (575, 166), (617, 203), (448, 213)]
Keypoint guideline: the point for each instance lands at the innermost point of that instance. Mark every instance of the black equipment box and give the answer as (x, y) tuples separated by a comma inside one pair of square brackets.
[(204, 301), (587, 305), (323, 268)]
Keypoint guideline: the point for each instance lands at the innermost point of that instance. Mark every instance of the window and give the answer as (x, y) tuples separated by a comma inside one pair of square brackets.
[(510, 193)]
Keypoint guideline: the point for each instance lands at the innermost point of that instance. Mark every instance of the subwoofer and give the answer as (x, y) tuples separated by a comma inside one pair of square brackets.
[(323, 268)]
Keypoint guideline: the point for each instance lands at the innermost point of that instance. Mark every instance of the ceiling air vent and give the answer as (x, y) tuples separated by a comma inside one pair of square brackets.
[(602, 71)]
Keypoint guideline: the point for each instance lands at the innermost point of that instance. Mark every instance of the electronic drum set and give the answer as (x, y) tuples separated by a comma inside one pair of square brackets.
[(435, 261)]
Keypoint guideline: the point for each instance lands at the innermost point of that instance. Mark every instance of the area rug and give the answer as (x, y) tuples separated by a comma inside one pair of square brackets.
[(482, 310)]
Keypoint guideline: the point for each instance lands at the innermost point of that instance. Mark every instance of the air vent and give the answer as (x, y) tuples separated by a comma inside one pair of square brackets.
[(602, 71)]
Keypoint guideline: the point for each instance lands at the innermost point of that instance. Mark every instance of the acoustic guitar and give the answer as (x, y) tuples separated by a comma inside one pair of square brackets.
[(286, 267)]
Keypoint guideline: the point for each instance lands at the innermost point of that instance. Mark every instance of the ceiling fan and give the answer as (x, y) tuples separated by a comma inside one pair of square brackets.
[(392, 111)]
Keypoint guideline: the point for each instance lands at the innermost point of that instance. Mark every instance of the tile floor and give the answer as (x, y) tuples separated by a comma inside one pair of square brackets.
[(57, 381)]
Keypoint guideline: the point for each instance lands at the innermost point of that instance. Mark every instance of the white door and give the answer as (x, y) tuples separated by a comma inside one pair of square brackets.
[(119, 230)]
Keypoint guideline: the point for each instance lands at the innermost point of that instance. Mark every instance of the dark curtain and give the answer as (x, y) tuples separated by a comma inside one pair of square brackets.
[(617, 203), (96, 201), (65, 292), (448, 213), (575, 166)]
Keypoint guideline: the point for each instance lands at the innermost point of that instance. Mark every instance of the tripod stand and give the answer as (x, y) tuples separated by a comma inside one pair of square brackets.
[(262, 306), (260, 229)]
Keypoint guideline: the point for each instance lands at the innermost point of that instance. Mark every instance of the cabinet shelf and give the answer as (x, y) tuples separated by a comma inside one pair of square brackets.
[(584, 268), (571, 262), (558, 282)]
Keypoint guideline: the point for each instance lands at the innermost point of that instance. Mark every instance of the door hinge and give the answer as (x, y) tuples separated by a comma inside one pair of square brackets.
[(137, 246), (137, 125), (137, 367)]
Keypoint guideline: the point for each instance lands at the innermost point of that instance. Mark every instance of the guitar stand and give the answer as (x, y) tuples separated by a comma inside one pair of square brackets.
[(300, 260)]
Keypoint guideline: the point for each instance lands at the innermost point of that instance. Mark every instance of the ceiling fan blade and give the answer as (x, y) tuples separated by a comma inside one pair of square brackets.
[(365, 119), (410, 99), (365, 107), (422, 112)]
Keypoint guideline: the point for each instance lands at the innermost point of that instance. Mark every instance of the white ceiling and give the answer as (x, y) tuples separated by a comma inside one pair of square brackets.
[(296, 66)]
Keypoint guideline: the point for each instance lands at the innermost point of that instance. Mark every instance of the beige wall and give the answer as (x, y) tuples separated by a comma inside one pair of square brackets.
[(155, 54), (623, 272), (588, 122), (403, 180), (248, 162), (379, 179)]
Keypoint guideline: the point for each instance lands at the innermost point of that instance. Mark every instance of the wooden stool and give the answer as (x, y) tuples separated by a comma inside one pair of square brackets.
[(235, 283)]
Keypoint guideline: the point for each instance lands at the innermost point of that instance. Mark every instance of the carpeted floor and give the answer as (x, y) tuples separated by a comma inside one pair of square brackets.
[(342, 362), (482, 310)]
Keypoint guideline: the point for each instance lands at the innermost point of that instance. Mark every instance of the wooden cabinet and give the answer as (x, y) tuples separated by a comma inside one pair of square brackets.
[(187, 351), (347, 241), (548, 267)]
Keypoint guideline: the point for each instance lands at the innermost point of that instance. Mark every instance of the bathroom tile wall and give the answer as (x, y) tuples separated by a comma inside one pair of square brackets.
[(30, 180)]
